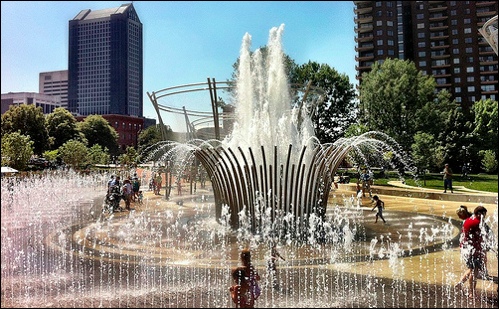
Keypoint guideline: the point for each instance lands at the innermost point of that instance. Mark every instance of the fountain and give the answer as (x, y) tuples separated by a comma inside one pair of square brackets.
[(58, 250)]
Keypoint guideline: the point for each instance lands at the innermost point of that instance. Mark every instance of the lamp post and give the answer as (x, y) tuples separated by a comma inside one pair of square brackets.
[(464, 168)]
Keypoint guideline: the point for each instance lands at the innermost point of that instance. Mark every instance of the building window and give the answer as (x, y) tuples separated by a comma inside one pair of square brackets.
[(419, 16), (470, 69), (457, 80), (471, 89), (421, 35), (421, 54), (454, 32), (457, 89), (467, 30), (455, 60), (420, 26), (488, 88), (379, 42), (457, 70), (422, 63), (470, 79), (380, 52), (379, 23)]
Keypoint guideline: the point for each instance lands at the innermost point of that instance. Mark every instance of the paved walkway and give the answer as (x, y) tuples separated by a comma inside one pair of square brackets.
[(413, 264), (440, 267), (443, 267)]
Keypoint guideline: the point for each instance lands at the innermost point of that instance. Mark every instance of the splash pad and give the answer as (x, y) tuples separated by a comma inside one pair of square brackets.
[(57, 251)]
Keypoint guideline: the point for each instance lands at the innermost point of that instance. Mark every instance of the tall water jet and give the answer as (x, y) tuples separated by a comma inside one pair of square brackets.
[(271, 163)]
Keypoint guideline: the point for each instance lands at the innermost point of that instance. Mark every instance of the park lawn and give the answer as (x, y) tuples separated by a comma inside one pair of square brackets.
[(480, 182)]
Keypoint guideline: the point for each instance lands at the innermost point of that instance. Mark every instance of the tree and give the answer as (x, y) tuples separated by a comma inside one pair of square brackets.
[(489, 161), (425, 152), (28, 120), (432, 116), (98, 131), (62, 127), (485, 124), (98, 155), (336, 112), (390, 96), (130, 158), (17, 149), (150, 137), (455, 138), (74, 153)]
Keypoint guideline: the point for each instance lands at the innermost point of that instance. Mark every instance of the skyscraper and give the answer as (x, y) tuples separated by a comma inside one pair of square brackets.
[(440, 37), (106, 62)]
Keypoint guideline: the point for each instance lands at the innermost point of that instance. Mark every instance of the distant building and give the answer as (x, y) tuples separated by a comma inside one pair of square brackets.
[(55, 83), (440, 37), (128, 128), (46, 101), (105, 69), (106, 62)]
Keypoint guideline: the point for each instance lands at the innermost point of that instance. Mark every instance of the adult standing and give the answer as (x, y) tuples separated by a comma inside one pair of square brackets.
[(447, 178), (127, 193), (158, 180), (473, 249)]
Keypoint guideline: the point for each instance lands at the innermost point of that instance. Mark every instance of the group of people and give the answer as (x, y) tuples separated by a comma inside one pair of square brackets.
[(475, 241), (129, 190)]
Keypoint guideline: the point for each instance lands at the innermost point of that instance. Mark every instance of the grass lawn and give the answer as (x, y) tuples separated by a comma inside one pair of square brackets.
[(481, 182)]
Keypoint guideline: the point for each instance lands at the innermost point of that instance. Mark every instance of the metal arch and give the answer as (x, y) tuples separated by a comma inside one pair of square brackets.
[(489, 32), (209, 85)]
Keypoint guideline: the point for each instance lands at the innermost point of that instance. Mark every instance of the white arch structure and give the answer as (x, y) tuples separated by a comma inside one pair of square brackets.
[(489, 32)]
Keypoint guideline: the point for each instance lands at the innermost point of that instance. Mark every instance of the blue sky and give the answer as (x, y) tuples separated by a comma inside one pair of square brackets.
[(184, 41)]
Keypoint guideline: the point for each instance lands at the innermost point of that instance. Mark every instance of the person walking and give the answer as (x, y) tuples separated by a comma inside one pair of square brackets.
[(447, 178), (473, 249), (271, 266), (380, 205)]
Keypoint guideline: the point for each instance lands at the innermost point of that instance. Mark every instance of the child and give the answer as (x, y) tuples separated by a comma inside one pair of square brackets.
[(140, 197), (381, 205)]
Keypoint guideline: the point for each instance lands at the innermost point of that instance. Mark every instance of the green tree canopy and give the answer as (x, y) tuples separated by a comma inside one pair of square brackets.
[(62, 127), (27, 119), (98, 131), (17, 149), (390, 96), (150, 137), (336, 112), (74, 153), (485, 124), (98, 155)]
